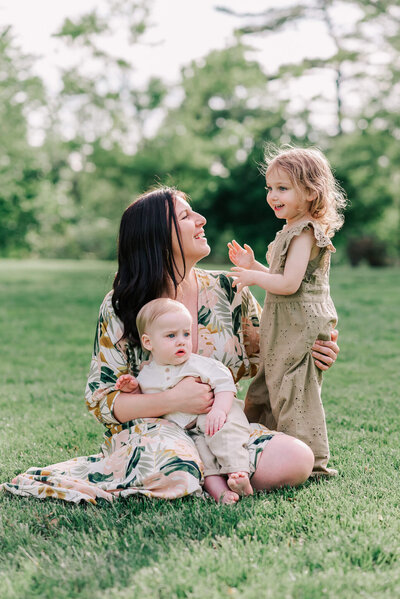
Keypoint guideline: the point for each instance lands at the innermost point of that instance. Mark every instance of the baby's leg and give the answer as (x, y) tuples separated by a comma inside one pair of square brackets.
[(229, 444), (216, 486), (214, 483), (239, 482)]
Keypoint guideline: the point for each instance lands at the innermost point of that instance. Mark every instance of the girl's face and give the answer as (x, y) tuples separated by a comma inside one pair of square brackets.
[(194, 242), (285, 199)]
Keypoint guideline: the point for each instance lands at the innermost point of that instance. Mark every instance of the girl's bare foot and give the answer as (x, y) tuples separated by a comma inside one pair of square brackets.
[(218, 489), (239, 483)]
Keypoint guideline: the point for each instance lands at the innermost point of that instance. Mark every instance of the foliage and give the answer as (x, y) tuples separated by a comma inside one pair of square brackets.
[(20, 166), (97, 123), (70, 164), (367, 248), (211, 146)]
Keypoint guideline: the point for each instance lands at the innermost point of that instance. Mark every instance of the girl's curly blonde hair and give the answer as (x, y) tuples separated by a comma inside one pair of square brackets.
[(309, 171)]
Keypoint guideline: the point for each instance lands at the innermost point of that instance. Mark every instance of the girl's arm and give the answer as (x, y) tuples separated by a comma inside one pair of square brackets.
[(289, 281)]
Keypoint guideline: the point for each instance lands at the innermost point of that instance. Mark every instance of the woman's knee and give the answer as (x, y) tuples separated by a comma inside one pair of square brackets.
[(285, 461), (302, 462)]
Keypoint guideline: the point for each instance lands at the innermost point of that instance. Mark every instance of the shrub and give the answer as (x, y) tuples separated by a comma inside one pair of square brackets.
[(369, 249)]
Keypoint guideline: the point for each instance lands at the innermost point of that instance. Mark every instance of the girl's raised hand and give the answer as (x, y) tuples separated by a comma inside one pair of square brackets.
[(241, 256)]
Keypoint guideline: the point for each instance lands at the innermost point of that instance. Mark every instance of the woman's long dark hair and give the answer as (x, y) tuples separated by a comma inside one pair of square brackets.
[(146, 262)]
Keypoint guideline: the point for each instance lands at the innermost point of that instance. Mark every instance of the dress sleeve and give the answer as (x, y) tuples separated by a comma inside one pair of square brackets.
[(109, 361), (321, 239), (251, 315)]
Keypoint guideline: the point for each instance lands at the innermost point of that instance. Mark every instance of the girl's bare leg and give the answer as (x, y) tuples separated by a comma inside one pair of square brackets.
[(217, 487), (285, 461)]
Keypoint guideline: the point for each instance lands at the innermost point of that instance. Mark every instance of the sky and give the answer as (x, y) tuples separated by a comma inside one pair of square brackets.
[(182, 30)]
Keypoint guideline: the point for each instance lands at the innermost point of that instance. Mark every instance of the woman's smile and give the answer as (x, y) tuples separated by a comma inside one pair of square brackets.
[(191, 229), (201, 236)]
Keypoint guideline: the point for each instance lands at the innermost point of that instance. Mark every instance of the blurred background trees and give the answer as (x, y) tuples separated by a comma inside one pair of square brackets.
[(70, 164)]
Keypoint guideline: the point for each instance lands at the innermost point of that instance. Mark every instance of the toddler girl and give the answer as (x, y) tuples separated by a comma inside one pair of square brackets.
[(285, 395), (221, 436)]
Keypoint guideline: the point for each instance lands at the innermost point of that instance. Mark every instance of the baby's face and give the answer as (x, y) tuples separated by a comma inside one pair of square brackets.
[(169, 338)]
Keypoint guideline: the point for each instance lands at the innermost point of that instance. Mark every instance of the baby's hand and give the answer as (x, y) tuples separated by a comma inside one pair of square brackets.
[(242, 278), (241, 256), (126, 383), (214, 421)]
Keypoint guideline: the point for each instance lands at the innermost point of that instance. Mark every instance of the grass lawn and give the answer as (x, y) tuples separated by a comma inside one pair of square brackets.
[(336, 538)]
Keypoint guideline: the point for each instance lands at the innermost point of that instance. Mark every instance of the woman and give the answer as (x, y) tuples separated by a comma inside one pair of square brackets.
[(161, 240)]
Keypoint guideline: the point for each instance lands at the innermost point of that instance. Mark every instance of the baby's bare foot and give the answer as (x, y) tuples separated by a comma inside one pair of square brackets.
[(239, 483), (228, 497), (216, 486)]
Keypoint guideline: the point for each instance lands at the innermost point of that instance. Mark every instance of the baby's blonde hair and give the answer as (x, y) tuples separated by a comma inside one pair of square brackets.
[(156, 308), (309, 171)]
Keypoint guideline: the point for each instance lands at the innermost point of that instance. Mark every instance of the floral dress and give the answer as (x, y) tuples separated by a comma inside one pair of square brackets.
[(151, 456)]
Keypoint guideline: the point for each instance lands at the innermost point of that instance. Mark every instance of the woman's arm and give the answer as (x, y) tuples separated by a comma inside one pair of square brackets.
[(108, 363), (290, 280), (190, 395)]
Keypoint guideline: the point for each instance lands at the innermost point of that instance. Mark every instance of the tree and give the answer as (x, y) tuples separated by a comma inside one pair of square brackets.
[(356, 43), (21, 94), (211, 146), (365, 63), (97, 123)]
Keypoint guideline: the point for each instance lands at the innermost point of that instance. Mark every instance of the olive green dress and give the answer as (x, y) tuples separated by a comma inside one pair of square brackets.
[(286, 393)]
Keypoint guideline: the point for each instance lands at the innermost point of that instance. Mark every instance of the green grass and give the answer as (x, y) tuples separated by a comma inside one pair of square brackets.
[(337, 538)]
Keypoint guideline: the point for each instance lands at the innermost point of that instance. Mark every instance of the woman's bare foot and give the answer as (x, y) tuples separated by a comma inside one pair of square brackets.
[(239, 483), (218, 489)]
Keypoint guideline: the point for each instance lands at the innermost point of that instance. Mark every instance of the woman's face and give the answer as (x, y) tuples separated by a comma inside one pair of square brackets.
[(190, 223)]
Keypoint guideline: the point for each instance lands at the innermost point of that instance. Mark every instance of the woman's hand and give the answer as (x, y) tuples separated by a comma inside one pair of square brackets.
[(325, 353), (192, 396), (241, 256)]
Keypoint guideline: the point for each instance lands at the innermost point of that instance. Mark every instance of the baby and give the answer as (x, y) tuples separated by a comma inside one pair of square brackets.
[(221, 436)]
